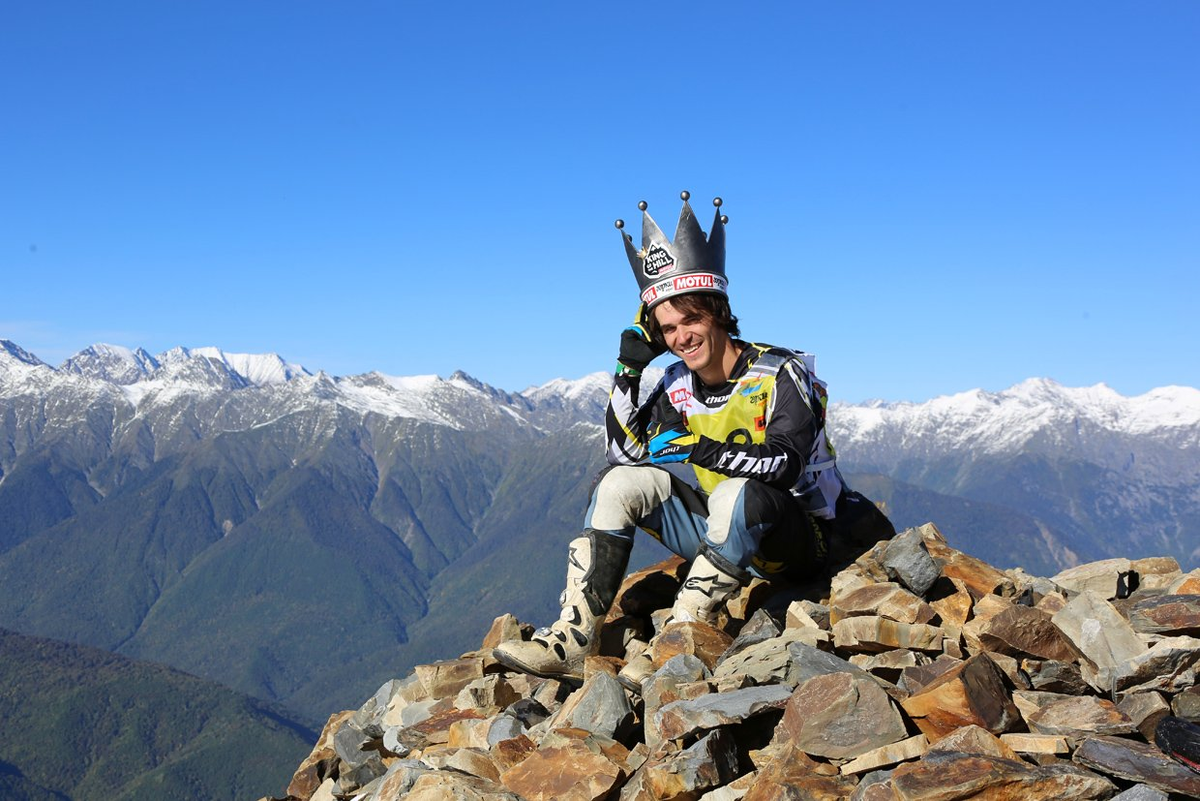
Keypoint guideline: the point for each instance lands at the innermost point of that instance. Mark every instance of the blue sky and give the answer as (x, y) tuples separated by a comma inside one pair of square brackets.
[(931, 196)]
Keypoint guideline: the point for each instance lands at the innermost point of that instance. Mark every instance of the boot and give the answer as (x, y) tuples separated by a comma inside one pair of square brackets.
[(595, 567), (706, 589)]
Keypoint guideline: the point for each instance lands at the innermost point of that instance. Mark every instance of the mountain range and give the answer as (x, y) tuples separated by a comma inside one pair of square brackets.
[(230, 514)]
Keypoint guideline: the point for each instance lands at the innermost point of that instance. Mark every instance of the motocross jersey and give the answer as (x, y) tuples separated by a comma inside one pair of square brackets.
[(767, 422)]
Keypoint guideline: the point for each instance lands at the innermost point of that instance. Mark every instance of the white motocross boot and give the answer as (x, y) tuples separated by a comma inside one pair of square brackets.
[(706, 589), (595, 567)]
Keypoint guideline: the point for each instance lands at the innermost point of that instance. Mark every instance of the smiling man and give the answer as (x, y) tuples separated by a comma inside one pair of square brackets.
[(725, 461)]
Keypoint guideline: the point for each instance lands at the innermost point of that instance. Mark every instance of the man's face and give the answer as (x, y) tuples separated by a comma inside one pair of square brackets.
[(694, 338)]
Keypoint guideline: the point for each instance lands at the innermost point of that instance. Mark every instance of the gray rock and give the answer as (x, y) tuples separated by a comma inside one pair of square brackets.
[(841, 716), (687, 717), (767, 662), (1137, 762), (352, 779), (348, 744), (906, 560), (663, 688), (760, 627), (399, 779), (504, 727), (368, 718), (1170, 665), (709, 762), (805, 662), (1140, 792), (599, 706), (1101, 634)]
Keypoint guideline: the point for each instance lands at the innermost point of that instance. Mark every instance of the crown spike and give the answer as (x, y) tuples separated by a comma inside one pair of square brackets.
[(717, 202), (685, 196), (690, 243), (643, 205), (619, 223)]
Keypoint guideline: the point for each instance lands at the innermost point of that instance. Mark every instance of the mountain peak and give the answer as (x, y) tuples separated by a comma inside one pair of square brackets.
[(15, 351)]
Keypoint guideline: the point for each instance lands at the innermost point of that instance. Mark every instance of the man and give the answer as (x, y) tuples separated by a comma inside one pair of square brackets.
[(725, 461)]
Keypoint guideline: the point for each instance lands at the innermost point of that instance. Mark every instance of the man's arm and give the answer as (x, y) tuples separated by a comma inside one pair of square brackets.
[(625, 421)]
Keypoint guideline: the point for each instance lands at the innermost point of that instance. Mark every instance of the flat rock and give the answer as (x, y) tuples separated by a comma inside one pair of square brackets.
[(1079, 716), (806, 661), (663, 687), (1140, 792), (1023, 631), (1187, 584), (1054, 677), (952, 775), (1167, 614), (1145, 709), (1036, 743), (841, 716), (567, 771), (768, 662), (873, 633), (1101, 634), (697, 639), (979, 578), (955, 608), (887, 755), (445, 679), (451, 786), (975, 740), (759, 628), (913, 680), (680, 719), (970, 693), (1101, 578), (1170, 665), (885, 599), (317, 766), (1137, 762)]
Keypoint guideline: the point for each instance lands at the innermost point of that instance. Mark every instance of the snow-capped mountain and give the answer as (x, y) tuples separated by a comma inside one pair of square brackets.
[(157, 505)]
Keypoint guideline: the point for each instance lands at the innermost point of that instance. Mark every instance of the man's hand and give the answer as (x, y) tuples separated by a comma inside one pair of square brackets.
[(672, 446), (637, 348)]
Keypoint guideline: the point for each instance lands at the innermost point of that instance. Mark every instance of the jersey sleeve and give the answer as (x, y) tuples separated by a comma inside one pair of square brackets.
[(629, 425), (791, 431)]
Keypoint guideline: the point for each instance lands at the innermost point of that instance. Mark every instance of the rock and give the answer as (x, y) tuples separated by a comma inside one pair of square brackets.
[(349, 742), (317, 766), (885, 600), (1036, 743), (890, 664), (1054, 677), (680, 719), (734, 791), (950, 775), (790, 774), (1186, 704), (1137, 762), (875, 786), (1169, 665), (913, 680), (805, 614), (906, 559), (970, 693), (510, 753), (698, 639), (503, 629), (954, 609), (644, 591), (475, 762), (484, 733), (449, 786), (911, 748), (1167, 614), (399, 779), (1187, 584), (600, 706), (435, 730), (841, 716), (707, 763), (663, 688), (1101, 578), (759, 628), (1101, 634), (805, 662), (488, 694), (1145, 710), (980, 578), (445, 679), (767, 662), (571, 769), (1140, 792), (1022, 631), (975, 740), (872, 633), (1076, 716)]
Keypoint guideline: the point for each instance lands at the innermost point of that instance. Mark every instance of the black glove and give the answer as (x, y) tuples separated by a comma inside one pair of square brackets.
[(637, 348)]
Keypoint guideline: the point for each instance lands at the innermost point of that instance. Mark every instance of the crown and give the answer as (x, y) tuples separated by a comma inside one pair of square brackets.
[(691, 263)]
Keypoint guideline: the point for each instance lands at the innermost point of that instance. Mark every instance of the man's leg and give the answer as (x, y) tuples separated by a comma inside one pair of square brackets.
[(624, 499)]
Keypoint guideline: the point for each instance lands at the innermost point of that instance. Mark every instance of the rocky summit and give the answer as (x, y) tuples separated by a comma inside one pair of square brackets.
[(916, 672)]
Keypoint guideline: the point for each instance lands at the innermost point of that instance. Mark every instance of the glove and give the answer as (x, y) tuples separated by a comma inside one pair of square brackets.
[(673, 445), (637, 348)]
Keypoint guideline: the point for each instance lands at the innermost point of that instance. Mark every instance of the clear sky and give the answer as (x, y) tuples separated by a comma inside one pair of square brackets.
[(931, 196)]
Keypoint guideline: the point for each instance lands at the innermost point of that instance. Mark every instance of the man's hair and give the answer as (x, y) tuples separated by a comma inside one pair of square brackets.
[(714, 307)]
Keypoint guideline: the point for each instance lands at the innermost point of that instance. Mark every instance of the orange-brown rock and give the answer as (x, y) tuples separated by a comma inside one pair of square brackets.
[(792, 775), (1187, 584), (504, 628), (568, 771), (447, 785), (1023, 631), (956, 607), (697, 639), (316, 766), (977, 576), (974, 740), (886, 599), (1076, 716), (1167, 614), (873, 633), (509, 753), (970, 693), (941, 776), (445, 679)]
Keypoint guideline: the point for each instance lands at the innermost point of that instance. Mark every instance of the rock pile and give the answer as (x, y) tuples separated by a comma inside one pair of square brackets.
[(919, 672)]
